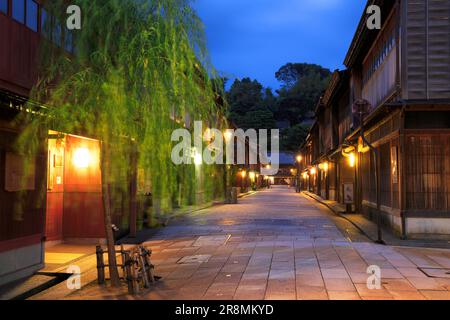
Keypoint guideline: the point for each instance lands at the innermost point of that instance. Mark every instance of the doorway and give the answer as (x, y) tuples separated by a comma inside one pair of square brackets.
[(74, 193)]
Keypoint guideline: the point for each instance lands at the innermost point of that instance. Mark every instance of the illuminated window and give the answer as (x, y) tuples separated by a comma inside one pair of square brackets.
[(18, 10), (32, 15), (4, 6)]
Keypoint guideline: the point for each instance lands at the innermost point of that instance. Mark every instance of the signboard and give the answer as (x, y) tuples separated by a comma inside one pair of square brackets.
[(348, 193)]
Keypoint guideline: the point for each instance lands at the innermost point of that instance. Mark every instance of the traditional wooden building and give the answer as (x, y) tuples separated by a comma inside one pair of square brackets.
[(54, 195), (400, 76)]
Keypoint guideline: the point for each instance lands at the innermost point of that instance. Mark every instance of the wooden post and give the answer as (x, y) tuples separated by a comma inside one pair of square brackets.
[(124, 260), (100, 265), (112, 261)]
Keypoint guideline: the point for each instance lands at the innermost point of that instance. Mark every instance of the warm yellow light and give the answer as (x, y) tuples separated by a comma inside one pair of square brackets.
[(81, 158), (252, 175), (268, 166), (313, 171), (228, 135), (244, 174), (257, 175), (292, 171), (305, 175), (299, 158), (208, 134), (352, 160), (198, 159), (266, 178), (272, 180), (325, 166)]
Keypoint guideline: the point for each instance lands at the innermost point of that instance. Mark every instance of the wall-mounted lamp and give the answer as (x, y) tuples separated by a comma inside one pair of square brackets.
[(352, 160), (81, 158)]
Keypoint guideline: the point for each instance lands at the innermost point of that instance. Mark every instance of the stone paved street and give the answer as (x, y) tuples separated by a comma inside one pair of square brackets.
[(277, 244)]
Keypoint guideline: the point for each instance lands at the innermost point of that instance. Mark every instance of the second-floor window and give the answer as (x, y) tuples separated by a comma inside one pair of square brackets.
[(32, 15), (18, 10), (26, 12), (379, 58), (4, 6)]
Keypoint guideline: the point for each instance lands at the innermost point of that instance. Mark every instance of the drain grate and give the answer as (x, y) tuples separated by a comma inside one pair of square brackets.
[(436, 272), (200, 258)]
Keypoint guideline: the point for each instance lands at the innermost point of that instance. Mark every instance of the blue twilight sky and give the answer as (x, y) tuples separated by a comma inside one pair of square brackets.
[(255, 38)]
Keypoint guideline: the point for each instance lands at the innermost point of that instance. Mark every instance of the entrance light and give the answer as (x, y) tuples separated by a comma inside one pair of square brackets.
[(81, 158), (352, 160)]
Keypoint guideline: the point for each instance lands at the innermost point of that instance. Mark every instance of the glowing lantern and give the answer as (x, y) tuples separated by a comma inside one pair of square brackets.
[(252, 175), (313, 171), (299, 158), (243, 174), (352, 160)]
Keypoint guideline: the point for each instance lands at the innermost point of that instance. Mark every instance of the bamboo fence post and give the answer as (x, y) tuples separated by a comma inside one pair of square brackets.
[(100, 265)]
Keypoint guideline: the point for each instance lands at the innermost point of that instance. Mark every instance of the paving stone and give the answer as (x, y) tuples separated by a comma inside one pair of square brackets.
[(275, 244)]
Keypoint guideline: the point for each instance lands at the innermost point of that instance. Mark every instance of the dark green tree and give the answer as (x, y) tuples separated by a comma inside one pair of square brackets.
[(291, 138), (302, 86), (248, 106)]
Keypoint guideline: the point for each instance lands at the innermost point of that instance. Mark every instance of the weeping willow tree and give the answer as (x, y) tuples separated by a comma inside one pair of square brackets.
[(139, 68)]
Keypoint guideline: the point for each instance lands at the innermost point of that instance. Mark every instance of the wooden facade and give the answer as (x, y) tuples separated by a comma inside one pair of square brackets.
[(58, 201), (402, 73)]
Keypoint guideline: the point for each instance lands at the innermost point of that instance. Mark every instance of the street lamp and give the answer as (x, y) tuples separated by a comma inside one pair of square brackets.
[(298, 161), (352, 160)]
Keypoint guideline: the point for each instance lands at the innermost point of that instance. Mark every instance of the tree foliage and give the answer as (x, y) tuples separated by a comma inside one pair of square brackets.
[(253, 106), (248, 106), (140, 66)]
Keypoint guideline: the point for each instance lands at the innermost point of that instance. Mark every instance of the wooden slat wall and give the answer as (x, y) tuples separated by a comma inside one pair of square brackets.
[(426, 49), (439, 49), (382, 83), (428, 172)]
